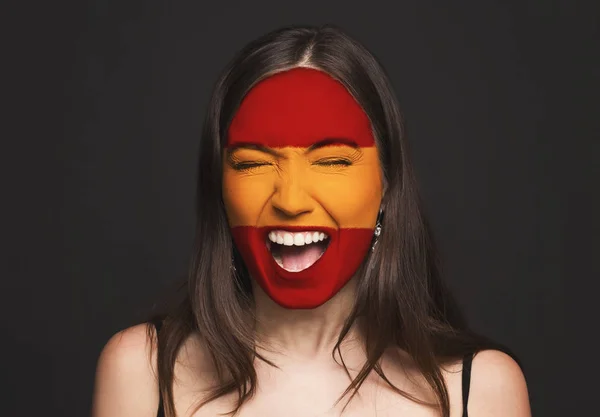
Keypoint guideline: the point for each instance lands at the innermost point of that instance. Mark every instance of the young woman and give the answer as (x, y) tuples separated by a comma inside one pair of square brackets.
[(314, 289)]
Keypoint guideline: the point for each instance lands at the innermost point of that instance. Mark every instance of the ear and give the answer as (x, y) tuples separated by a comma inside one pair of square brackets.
[(380, 215), (382, 202), (384, 187)]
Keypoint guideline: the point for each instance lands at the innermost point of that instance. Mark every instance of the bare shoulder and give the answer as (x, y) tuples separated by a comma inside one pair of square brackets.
[(498, 386), (126, 383)]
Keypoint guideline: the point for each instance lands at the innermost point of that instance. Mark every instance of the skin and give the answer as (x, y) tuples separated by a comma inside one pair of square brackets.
[(300, 341), (126, 385)]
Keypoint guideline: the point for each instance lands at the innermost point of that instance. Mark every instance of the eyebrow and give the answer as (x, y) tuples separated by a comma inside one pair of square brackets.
[(332, 142), (320, 144), (254, 146)]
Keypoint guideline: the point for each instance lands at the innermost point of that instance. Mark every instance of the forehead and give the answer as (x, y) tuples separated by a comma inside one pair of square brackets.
[(299, 107)]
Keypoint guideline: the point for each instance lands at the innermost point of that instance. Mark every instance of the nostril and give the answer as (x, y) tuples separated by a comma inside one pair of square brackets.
[(291, 211), (288, 202)]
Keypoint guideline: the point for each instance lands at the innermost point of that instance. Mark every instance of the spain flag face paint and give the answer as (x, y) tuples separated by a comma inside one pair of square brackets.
[(302, 186)]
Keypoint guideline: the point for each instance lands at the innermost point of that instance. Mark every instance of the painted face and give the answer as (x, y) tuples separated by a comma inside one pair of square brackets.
[(302, 186)]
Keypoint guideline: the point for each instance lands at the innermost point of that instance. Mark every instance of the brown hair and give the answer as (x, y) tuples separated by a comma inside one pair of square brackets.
[(401, 300)]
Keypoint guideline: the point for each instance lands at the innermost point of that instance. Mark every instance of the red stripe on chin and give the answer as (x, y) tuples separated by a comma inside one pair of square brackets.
[(313, 286)]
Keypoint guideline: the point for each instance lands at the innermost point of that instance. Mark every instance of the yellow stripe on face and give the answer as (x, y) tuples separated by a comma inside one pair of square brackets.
[(332, 186)]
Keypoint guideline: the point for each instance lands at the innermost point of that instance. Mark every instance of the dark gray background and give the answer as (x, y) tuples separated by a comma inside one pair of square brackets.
[(106, 102)]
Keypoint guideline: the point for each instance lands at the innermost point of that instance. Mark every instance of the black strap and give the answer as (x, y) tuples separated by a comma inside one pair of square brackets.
[(157, 322), (466, 382)]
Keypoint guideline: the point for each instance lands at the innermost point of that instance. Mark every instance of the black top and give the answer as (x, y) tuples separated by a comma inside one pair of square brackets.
[(161, 409), (466, 382), (466, 379)]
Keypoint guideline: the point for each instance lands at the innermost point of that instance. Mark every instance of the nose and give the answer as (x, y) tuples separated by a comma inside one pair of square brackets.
[(290, 198)]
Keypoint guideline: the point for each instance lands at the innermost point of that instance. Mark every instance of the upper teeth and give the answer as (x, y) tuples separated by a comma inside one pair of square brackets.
[(295, 239)]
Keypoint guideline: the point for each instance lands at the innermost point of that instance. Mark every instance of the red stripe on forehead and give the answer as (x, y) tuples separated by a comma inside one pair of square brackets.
[(298, 108)]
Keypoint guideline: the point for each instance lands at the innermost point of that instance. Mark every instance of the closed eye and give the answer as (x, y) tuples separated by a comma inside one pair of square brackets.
[(333, 162), (247, 166)]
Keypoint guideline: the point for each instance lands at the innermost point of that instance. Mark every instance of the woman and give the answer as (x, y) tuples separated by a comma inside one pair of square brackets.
[(314, 288)]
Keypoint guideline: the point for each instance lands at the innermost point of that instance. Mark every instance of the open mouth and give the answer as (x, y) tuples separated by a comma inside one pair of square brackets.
[(296, 251)]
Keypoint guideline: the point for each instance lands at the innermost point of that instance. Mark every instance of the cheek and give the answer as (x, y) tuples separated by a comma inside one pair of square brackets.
[(353, 197), (244, 197)]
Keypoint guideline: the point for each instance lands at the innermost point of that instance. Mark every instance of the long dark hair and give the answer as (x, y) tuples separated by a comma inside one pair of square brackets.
[(401, 301)]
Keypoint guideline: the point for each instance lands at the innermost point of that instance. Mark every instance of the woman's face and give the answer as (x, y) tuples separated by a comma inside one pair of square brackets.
[(302, 186)]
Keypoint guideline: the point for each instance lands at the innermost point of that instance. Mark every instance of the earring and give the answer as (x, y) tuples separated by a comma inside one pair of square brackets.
[(377, 230), (233, 265)]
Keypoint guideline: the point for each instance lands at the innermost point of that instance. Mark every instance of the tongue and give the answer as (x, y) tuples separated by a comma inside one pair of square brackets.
[(297, 258)]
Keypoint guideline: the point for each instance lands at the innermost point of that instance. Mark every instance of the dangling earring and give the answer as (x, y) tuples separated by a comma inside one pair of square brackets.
[(377, 230)]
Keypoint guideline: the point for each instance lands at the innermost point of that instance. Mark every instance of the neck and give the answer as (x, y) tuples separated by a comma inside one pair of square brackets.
[(303, 335)]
